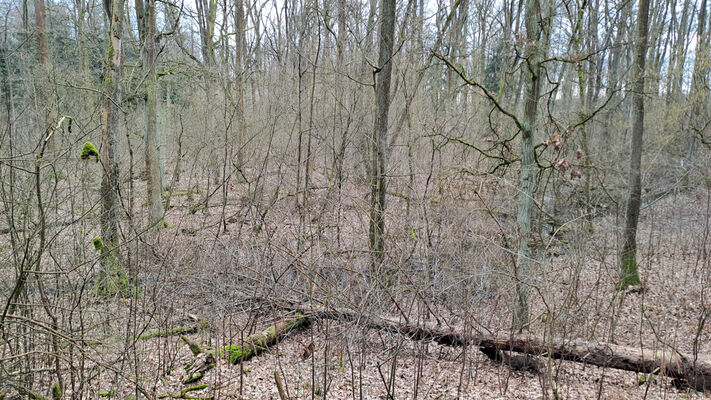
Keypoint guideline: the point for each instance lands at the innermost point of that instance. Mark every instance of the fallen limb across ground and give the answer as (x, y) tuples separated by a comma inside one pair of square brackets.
[(695, 371), (249, 347)]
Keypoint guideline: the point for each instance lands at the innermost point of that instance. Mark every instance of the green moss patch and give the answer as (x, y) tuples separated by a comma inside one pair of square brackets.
[(88, 151)]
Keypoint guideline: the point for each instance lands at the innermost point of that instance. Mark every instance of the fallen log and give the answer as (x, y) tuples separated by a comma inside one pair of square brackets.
[(257, 343), (184, 394), (250, 347), (694, 371)]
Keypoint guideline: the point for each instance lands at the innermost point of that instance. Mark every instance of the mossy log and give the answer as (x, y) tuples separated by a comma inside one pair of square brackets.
[(195, 348), (250, 347), (259, 342), (183, 394), (684, 368)]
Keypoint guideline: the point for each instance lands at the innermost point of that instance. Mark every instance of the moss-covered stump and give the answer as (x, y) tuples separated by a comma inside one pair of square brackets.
[(250, 347)]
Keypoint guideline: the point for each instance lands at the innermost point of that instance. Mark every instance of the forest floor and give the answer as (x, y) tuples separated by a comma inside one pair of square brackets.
[(237, 279), (342, 360)]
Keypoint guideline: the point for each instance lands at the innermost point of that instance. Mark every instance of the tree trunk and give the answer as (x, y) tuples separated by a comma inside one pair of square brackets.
[(527, 181), (698, 92), (112, 278), (240, 38), (380, 133), (146, 17), (47, 100), (628, 260)]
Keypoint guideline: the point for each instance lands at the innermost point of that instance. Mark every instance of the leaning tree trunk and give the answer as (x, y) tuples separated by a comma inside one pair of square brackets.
[(527, 180), (628, 260), (379, 141)]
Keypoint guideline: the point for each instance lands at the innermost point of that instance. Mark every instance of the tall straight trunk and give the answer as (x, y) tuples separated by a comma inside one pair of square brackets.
[(613, 72), (676, 75), (240, 39), (41, 32), (365, 71), (146, 17), (698, 93), (47, 102), (207, 14), (379, 141), (532, 59), (628, 259), (585, 102), (113, 275), (340, 128)]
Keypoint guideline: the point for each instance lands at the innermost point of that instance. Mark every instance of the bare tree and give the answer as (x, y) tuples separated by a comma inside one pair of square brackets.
[(146, 18), (533, 59), (698, 91), (113, 275), (47, 100), (240, 38), (379, 142), (628, 257)]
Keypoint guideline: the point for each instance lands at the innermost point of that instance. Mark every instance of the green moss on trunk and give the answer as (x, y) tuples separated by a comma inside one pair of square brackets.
[(250, 347), (183, 394), (257, 343), (56, 391), (630, 274), (88, 151)]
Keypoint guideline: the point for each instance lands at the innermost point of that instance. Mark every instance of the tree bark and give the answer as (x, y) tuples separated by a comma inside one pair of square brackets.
[(628, 259), (379, 141), (47, 100), (240, 38), (698, 92), (113, 277), (146, 18), (527, 178)]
